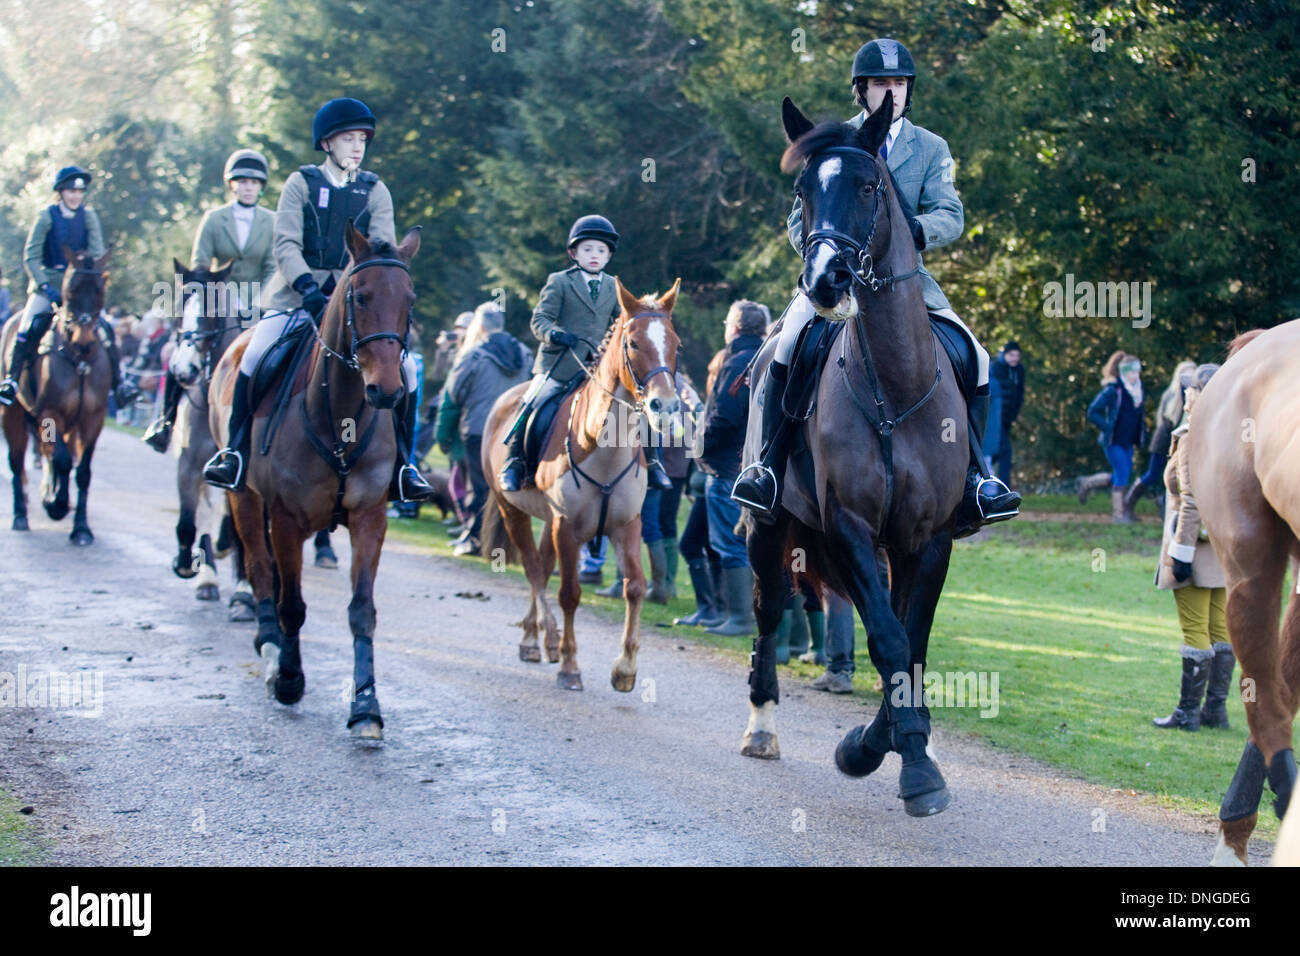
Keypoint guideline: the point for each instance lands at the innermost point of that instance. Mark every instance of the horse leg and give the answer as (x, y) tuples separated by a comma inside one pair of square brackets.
[(367, 530), (81, 534), (58, 465), (520, 529), (566, 546), (188, 493), (246, 507), (921, 785), (242, 604), (766, 547), (286, 541), (15, 428), (548, 557), (206, 588), (627, 542)]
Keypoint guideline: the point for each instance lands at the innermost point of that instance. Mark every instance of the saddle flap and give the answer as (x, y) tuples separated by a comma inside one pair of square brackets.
[(957, 344), (285, 354), (542, 424)]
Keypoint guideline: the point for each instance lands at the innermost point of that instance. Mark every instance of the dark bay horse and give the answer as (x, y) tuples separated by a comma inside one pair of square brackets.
[(207, 327), (332, 459), (1244, 456), (888, 472), (68, 398), (587, 483)]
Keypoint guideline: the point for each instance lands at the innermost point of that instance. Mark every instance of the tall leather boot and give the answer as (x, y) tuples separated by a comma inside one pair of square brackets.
[(1134, 494), (707, 612), (670, 567), (1196, 672), (229, 467), (511, 476), (124, 393), (986, 499), (159, 434), (657, 594), (1087, 485), (759, 485), (1119, 514), (740, 603), (408, 483), (1215, 711), (799, 636), (655, 475), (817, 639), (21, 354)]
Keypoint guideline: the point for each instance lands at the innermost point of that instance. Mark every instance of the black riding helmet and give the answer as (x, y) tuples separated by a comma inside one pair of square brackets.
[(884, 57), (593, 227), (71, 177), (339, 116)]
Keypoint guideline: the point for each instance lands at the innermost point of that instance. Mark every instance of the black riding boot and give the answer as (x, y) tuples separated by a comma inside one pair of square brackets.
[(22, 353), (656, 477), (986, 498), (159, 434), (1215, 711), (409, 483), (228, 467), (759, 485), (512, 474), (125, 393), (1196, 673)]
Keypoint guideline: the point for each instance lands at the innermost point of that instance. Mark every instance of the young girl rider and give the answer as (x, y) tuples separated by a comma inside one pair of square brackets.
[(310, 255), (71, 224), (572, 315), (922, 169), (238, 233)]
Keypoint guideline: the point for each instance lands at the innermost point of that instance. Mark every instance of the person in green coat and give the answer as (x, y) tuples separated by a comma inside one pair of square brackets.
[(240, 234), (573, 313), (68, 224)]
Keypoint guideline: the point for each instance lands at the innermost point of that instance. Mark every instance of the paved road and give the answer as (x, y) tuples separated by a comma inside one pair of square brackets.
[(485, 759)]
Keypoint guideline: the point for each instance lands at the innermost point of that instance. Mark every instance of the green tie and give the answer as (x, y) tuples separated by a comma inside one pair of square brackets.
[(594, 285)]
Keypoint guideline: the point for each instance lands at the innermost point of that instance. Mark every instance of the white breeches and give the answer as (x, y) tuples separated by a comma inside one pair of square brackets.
[(800, 312), (272, 325)]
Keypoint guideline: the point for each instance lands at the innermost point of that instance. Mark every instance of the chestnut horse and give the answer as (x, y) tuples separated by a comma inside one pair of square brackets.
[(588, 483), (331, 459), (68, 398), (1244, 451), (887, 473)]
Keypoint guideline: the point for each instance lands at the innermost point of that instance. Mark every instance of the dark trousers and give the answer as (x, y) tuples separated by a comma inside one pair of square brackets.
[(694, 543), (1003, 458), (477, 482)]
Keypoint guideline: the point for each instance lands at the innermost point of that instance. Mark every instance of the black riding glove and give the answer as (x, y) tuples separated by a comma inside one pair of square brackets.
[(563, 339), (51, 293), (918, 234), (313, 299), (1182, 570)]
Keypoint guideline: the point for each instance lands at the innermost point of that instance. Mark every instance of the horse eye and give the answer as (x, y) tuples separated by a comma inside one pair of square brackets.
[(633, 346), (361, 300)]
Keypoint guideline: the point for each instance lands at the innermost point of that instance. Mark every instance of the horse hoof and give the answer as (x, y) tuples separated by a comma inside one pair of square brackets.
[(289, 690), (761, 744), (854, 757), (569, 681), (928, 804), (270, 666), (368, 730), (183, 566), (81, 537), (922, 788), (326, 558), (241, 607), (623, 683), (553, 655), (207, 592), (20, 523), (529, 653), (57, 511)]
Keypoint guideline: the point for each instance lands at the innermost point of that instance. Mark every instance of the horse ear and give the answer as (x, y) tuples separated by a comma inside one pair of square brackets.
[(358, 245), (223, 272), (795, 123), (669, 298), (68, 255), (410, 244), (626, 300), (180, 269), (876, 128)]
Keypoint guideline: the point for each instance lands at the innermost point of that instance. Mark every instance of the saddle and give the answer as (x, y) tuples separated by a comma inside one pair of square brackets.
[(542, 422)]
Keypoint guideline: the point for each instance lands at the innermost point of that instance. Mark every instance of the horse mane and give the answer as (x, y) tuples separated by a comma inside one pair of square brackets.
[(822, 136), (1242, 340)]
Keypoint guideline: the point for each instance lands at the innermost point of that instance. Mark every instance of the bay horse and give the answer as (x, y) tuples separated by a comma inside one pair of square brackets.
[(68, 398), (207, 327), (888, 473), (588, 483), (331, 460), (1243, 452)]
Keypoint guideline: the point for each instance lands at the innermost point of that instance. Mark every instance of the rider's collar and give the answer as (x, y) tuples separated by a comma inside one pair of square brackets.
[(338, 178), (246, 205), (591, 275)]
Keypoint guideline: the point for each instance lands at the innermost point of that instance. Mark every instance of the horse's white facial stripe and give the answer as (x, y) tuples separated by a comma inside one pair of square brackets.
[(658, 336), (828, 171), (822, 255), (191, 313)]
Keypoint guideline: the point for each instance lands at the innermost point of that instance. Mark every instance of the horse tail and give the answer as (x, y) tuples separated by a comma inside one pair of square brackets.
[(495, 541)]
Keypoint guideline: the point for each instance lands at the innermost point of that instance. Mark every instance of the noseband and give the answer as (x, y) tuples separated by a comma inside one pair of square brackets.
[(350, 360), (856, 256)]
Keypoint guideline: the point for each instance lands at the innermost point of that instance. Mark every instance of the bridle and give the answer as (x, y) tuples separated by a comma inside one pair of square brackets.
[(204, 339), (640, 383), (856, 256), (350, 360)]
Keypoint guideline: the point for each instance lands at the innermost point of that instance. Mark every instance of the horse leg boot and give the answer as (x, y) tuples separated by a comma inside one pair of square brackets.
[(159, 433), (228, 467), (21, 354), (408, 483), (124, 393), (1240, 808), (986, 498), (758, 487)]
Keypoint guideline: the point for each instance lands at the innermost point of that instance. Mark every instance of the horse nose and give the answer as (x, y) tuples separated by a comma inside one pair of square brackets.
[(829, 286), (378, 398)]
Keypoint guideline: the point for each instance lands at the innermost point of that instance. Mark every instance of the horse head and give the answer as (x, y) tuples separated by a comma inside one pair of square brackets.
[(844, 189), (648, 345), (201, 323), (371, 318), (84, 284)]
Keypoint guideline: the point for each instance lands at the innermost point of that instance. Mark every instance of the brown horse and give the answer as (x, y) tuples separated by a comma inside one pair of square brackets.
[(332, 459), (1243, 448), (587, 482), (884, 439), (67, 398)]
